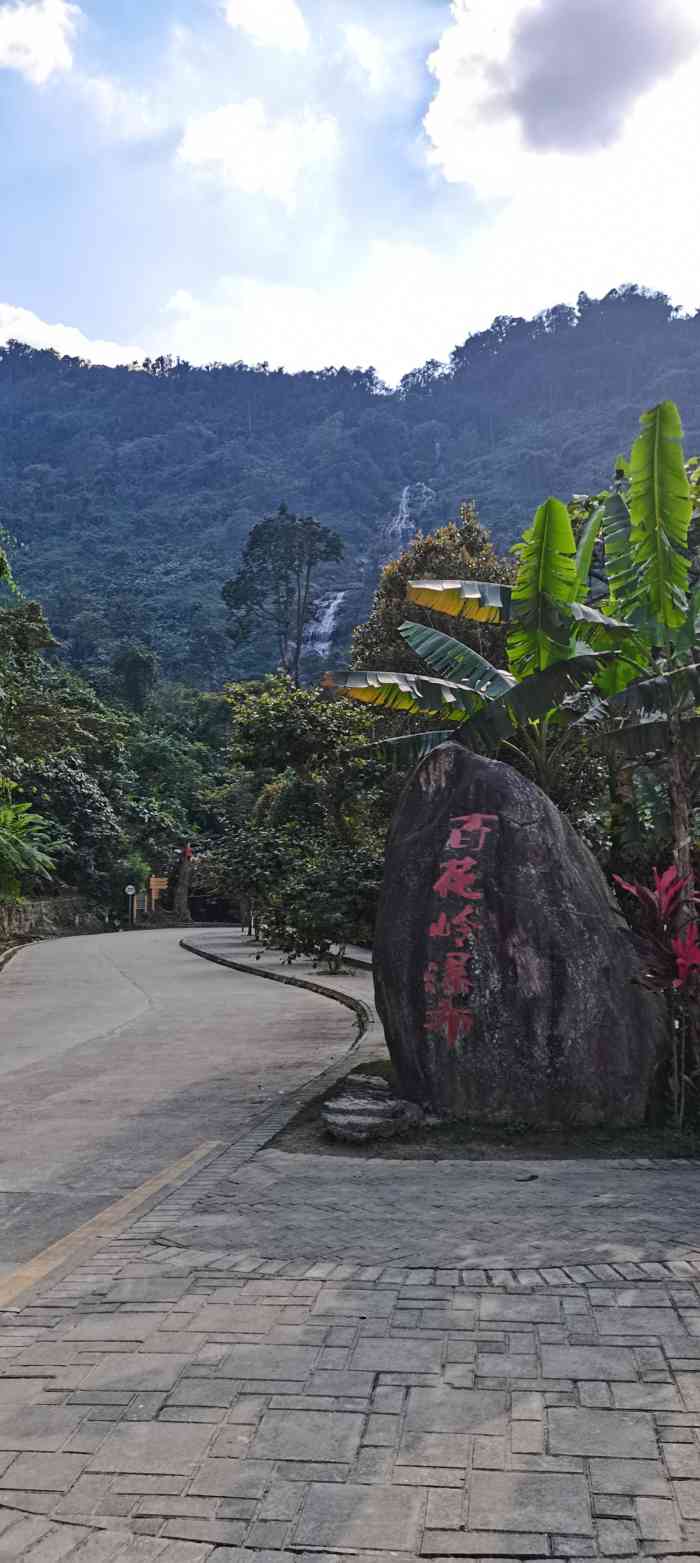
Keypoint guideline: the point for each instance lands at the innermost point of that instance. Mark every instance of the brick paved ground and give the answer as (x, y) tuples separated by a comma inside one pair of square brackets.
[(243, 1375)]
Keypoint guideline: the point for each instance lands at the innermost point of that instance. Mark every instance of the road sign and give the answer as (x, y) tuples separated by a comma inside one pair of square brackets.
[(130, 890)]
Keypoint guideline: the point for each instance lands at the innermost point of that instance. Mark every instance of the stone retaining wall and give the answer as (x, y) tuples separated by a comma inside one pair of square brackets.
[(45, 918)]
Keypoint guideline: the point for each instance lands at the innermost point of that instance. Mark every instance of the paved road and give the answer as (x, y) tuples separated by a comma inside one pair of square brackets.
[(121, 1053)]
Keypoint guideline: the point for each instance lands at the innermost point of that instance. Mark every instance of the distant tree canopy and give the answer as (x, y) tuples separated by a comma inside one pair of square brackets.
[(132, 491)]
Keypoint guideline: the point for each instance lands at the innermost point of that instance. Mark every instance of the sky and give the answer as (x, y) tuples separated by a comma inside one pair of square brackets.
[(316, 182)]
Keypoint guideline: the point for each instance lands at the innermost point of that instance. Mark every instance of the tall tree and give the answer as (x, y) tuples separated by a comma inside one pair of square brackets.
[(275, 585), (137, 667)]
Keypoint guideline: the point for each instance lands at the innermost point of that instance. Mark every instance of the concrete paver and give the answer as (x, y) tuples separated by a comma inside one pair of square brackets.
[(372, 1361)]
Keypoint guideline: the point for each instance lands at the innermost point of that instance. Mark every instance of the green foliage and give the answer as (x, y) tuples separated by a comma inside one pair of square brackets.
[(275, 725), (26, 845), (114, 785), (303, 817), (327, 898)]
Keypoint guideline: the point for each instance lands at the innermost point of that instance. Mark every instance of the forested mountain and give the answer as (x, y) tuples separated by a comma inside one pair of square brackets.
[(131, 490)]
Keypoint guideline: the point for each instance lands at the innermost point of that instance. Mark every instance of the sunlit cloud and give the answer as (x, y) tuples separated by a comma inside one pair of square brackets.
[(250, 151), (36, 38), (275, 24), (21, 325)]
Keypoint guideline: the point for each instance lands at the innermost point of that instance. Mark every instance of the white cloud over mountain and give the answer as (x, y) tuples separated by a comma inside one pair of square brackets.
[(21, 325)]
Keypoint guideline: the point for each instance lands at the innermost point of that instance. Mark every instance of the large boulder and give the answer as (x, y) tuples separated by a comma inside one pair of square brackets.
[(506, 986)]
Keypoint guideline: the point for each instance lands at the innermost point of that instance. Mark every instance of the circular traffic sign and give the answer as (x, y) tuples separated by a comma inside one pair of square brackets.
[(130, 890)]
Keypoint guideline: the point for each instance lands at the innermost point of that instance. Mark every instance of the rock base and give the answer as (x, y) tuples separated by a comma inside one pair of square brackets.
[(366, 1109)]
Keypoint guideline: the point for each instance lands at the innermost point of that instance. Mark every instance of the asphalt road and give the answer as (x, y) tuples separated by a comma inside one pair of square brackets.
[(120, 1054)]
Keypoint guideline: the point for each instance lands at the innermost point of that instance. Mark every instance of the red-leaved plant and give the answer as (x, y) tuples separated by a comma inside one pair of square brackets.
[(668, 942)]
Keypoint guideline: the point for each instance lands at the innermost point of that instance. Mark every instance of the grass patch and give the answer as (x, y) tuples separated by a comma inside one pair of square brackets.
[(305, 1135)]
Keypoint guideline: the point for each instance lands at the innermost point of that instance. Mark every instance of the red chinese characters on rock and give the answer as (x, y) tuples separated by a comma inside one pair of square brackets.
[(447, 980)]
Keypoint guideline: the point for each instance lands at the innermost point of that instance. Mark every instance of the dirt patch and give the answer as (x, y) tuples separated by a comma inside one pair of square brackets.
[(305, 1136)]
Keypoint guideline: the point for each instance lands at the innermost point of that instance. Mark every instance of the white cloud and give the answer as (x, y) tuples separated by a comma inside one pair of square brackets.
[(477, 134), (276, 24), (122, 113), (24, 326), (251, 152), (36, 37), (368, 51)]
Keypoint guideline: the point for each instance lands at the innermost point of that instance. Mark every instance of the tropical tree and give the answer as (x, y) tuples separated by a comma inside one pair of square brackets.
[(137, 669), (274, 588), (556, 644)]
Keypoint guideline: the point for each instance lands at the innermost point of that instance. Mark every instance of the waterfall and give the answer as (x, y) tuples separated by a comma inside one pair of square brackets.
[(398, 527), (415, 506), (319, 635)]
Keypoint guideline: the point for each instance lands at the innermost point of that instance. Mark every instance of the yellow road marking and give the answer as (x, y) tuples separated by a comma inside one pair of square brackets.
[(102, 1225)]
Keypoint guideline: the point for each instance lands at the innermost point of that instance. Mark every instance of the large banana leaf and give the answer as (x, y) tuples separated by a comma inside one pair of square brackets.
[(600, 632), (639, 740), (486, 601), (546, 583), (585, 551), (413, 694), (619, 564), (660, 510), (409, 748), (451, 659), (688, 637), (533, 699), (677, 690)]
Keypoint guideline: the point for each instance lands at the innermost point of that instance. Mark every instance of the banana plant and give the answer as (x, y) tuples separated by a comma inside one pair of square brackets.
[(547, 617), (646, 527), (556, 645), (484, 707)]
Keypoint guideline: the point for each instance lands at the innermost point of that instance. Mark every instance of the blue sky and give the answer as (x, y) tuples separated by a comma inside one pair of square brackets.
[(324, 181)]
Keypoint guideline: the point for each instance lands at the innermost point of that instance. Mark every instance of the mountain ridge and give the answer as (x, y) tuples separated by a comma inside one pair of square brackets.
[(131, 491)]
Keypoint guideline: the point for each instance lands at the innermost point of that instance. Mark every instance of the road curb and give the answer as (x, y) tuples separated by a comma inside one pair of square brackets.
[(7, 955), (253, 1138), (365, 1015)]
